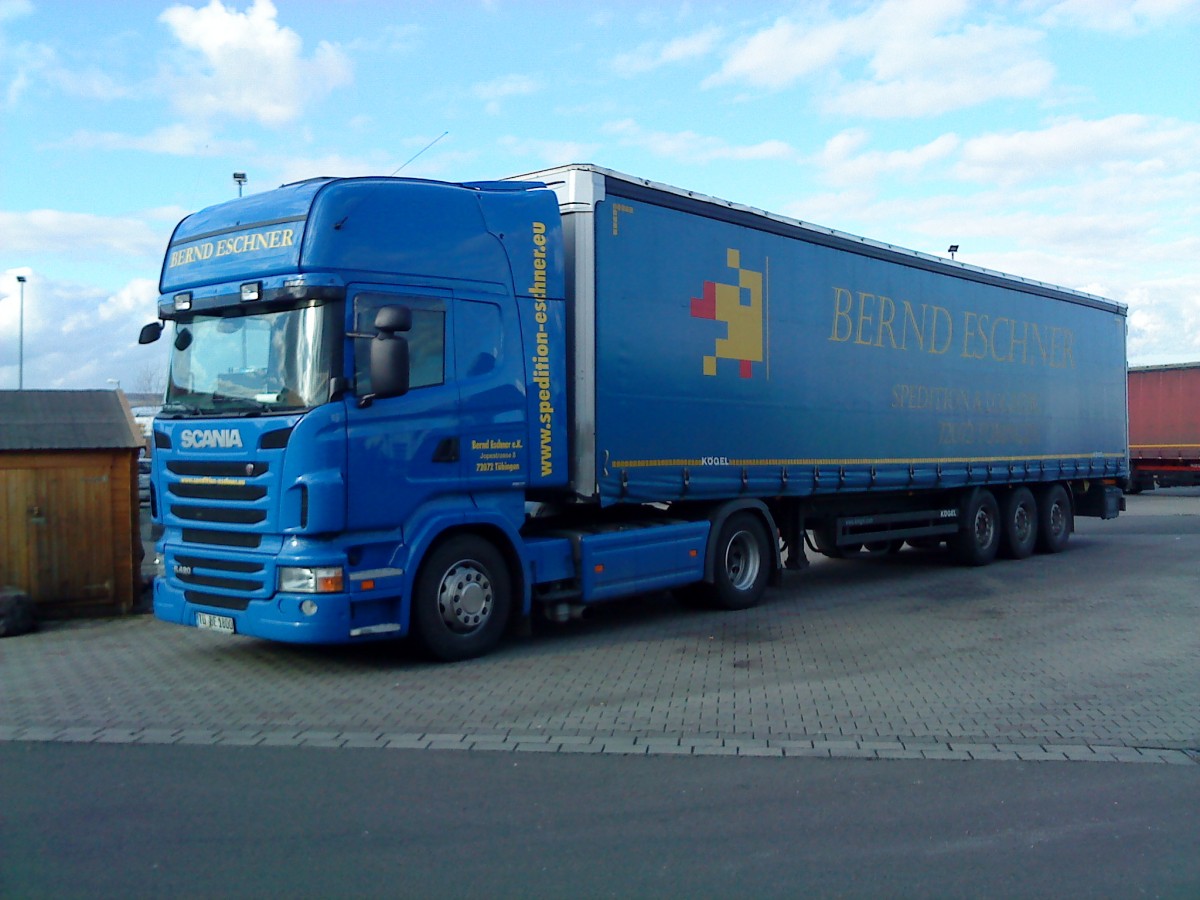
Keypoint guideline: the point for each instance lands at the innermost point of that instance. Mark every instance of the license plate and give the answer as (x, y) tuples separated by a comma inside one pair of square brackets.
[(215, 623)]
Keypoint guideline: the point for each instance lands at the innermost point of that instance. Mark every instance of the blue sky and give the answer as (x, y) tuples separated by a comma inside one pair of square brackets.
[(1055, 139)]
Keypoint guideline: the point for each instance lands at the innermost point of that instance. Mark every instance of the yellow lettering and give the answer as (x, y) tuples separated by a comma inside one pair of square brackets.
[(887, 313), (841, 314), (863, 317), (994, 343), (910, 317), (940, 312)]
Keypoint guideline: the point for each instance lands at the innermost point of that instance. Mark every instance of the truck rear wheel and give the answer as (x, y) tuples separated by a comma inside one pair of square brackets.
[(462, 599), (1018, 516), (1054, 519), (979, 540), (742, 563)]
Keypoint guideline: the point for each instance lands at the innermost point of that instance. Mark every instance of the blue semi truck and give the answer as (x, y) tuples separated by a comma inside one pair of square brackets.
[(399, 406)]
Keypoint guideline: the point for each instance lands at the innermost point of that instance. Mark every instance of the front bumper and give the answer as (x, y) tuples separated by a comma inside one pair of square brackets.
[(338, 618)]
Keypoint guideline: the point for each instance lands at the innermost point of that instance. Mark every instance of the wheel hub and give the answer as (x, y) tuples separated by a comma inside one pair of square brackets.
[(741, 561), (984, 527), (465, 597)]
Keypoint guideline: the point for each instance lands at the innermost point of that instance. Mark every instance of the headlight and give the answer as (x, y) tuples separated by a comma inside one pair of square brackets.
[(305, 580)]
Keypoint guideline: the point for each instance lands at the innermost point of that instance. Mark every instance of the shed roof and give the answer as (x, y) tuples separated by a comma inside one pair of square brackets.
[(66, 420)]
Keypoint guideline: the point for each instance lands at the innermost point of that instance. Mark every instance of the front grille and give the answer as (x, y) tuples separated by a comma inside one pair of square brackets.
[(222, 506), (227, 515), (217, 469), (221, 538), (189, 490), (201, 598), (228, 584), (221, 565)]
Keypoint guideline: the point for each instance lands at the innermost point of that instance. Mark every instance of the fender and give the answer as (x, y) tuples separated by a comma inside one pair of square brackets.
[(433, 527)]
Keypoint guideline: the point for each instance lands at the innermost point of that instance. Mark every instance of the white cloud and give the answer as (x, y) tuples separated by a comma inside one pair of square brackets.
[(76, 235), (1133, 141), (841, 162), (1117, 16), (176, 140), (893, 59), (136, 300), (247, 65), (688, 146), (333, 165), (651, 56), (14, 9), (533, 153), (77, 336), (492, 92), (391, 39)]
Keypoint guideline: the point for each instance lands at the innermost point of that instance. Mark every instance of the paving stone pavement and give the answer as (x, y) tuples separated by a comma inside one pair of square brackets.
[(1092, 655)]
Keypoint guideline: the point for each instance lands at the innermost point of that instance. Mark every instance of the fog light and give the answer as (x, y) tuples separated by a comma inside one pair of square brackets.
[(309, 607)]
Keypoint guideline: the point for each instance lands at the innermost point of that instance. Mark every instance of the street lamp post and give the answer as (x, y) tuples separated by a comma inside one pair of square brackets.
[(21, 337)]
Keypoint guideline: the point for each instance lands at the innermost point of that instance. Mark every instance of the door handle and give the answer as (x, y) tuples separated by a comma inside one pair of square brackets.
[(446, 450)]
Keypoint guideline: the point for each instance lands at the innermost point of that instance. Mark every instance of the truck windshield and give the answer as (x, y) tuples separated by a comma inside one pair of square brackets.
[(240, 363)]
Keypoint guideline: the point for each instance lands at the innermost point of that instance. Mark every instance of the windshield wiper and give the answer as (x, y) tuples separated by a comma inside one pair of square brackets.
[(177, 406)]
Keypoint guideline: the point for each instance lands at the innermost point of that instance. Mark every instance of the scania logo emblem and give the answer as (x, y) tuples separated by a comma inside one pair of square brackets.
[(207, 438)]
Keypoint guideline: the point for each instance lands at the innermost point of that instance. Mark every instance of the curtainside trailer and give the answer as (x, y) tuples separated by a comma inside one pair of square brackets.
[(1164, 426), (401, 407)]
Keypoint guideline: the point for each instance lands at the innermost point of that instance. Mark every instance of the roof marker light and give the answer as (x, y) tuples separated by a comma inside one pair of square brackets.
[(183, 301), (251, 291)]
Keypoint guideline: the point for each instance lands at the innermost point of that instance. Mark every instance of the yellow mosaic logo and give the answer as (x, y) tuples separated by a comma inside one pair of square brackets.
[(740, 307)]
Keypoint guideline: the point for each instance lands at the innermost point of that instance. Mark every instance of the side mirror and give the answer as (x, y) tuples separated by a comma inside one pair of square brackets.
[(150, 333), (389, 352), (390, 319)]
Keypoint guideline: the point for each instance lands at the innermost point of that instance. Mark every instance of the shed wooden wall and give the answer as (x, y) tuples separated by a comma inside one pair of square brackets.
[(69, 531)]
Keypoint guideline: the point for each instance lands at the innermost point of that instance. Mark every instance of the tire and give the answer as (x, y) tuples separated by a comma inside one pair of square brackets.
[(1019, 523), (742, 563), (825, 540), (1055, 519), (462, 599), (979, 540), (883, 548)]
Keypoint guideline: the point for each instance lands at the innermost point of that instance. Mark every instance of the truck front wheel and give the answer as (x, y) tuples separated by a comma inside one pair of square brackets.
[(742, 564), (462, 599), (976, 544)]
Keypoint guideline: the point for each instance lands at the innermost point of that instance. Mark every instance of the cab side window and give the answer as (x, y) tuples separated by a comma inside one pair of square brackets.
[(426, 340)]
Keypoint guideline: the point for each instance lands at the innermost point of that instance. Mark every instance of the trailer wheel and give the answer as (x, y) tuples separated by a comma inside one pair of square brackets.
[(743, 563), (979, 540), (825, 540), (1055, 520), (1018, 516), (462, 599)]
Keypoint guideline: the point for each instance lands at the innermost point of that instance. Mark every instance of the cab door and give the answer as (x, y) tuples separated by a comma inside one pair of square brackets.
[(403, 452), (491, 384)]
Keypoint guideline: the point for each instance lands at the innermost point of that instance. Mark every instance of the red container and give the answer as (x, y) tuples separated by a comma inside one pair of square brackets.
[(1164, 424)]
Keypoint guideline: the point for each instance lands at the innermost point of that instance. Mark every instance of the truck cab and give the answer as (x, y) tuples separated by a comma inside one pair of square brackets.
[(361, 372)]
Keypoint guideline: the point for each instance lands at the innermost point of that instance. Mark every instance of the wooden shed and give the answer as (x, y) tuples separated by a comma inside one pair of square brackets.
[(69, 527)]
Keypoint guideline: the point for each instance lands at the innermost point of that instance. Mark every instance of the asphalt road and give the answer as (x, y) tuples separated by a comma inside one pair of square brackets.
[(159, 821)]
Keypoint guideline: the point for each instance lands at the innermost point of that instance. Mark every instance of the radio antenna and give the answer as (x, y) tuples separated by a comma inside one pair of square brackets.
[(422, 150)]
